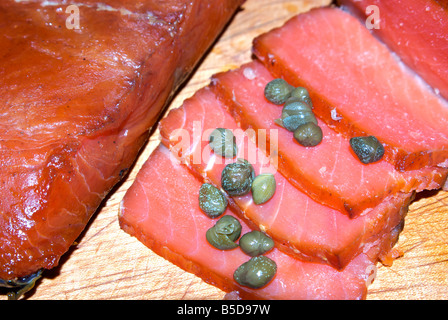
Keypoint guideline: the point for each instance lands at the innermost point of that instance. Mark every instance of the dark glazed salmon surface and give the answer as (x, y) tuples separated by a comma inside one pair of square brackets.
[(76, 106)]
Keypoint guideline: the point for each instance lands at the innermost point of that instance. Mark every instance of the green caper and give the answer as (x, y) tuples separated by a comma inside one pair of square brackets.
[(279, 122), (255, 273), (301, 94), (256, 243), (223, 142), (298, 108), (224, 233), (368, 149), (263, 188), (296, 113), (291, 123), (212, 201), (236, 178), (308, 134), (277, 91)]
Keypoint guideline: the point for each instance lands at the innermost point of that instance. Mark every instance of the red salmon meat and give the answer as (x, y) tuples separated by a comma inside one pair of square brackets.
[(301, 226), (417, 31), (161, 209), (359, 86), (330, 172)]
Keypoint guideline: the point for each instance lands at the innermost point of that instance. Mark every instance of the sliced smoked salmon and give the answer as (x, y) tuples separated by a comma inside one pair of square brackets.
[(329, 173), (76, 105), (301, 226), (161, 209), (359, 86), (417, 31)]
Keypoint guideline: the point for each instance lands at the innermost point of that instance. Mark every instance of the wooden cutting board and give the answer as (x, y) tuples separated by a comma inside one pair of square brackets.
[(107, 263)]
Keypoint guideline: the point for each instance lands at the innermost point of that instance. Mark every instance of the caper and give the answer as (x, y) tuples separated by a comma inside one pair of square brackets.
[(224, 233), (256, 272), (223, 142), (291, 123), (236, 178), (368, 149), (256, 243), (277, 91), (301, 94), (212, 201), (299, 108), (263, 188), (279, 122), (296, 113), (308, 134)]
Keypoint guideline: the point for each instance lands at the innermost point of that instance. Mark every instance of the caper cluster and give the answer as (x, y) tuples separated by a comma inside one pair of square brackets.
[(258, 270), (298, 117), (297, 114), (238, 179)]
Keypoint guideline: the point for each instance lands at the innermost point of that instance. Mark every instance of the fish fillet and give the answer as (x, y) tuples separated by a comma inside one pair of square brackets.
[(417, 31), (174, 227), (330, 172), (301, 226), (76, 106), (349, 72)]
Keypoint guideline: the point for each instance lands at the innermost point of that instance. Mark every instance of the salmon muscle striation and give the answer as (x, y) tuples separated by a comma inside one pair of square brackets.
[(417, 31), (301, 226), (335, 177), (174, 227), (356, 77)]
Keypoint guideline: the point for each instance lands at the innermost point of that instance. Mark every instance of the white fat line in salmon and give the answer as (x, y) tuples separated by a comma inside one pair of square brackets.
[(190, 149)]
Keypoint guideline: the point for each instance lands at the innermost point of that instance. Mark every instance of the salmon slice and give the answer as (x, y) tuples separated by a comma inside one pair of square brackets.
[(335, 177), (301, 227), (174, 227), (415, 30), (360, 88), (76, 106)]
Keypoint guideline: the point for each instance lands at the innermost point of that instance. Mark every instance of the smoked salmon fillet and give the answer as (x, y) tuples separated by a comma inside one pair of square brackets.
[(359, 86), (417, 31), (335, 177), (301, 226), (161, 210), (76, 106)]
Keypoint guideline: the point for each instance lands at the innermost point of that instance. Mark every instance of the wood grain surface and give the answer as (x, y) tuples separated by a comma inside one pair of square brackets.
[(107, 263)]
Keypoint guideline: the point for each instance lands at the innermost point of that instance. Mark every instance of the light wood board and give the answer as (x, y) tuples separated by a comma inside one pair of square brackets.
[(107, 263)]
